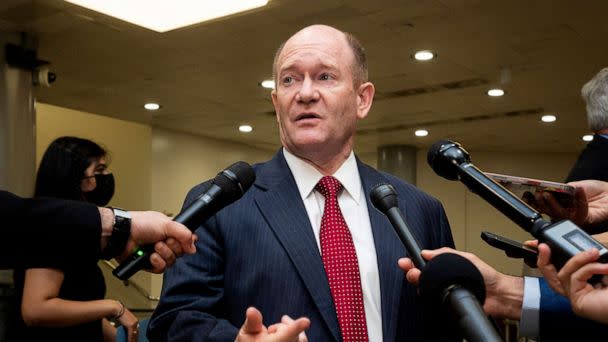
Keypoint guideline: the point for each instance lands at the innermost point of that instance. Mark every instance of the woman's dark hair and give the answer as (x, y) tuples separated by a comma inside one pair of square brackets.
[(63, 165)]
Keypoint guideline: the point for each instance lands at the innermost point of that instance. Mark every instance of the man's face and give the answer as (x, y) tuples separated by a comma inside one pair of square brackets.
[(315, 100)]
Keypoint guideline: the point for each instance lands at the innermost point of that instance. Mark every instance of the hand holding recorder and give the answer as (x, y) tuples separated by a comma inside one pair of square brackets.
[(512, 248), (572, 281), (451, 161)]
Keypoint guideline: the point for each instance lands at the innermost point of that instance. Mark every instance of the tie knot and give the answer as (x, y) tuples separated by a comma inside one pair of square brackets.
[(329, 187)]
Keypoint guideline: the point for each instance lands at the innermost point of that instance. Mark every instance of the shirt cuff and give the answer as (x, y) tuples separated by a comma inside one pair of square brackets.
[(529, 321)]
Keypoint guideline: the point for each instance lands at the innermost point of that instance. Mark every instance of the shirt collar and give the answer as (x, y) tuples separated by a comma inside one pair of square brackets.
[(307, 177)]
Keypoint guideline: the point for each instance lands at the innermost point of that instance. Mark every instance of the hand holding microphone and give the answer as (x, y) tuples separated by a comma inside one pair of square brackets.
[(171, 239), (504, 292), (227, 187), (449, 282)]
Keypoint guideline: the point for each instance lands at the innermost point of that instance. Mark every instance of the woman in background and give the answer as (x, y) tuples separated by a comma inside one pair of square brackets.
[(67, 304)]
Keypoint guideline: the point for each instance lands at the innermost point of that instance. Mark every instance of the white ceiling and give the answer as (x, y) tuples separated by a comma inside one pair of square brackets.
[(206, 76)]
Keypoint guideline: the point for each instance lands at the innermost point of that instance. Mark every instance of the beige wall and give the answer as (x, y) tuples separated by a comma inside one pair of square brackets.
[(369, 158), (180, 161), (127, 142), (469, 214)]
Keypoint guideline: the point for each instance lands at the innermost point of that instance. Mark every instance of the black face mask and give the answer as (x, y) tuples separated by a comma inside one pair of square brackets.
[(103, 192)]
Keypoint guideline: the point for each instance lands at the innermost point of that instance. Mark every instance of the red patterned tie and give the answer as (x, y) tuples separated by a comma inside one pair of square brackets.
[(341, 266)]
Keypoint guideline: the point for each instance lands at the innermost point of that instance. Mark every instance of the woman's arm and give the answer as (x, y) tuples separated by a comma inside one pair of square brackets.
[(41, 305)]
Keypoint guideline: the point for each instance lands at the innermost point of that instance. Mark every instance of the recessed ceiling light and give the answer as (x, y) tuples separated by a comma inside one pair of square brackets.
[(152, 106), (424, 55), (245, 128), (496, 92), (268, 84), (548, 118), (421, 133), (163, 16), (588, 137)]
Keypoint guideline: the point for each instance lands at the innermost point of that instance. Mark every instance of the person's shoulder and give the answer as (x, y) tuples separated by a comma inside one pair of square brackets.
[(401, 184), (408, 190), (200, 188), (598, 144), (257, 167)]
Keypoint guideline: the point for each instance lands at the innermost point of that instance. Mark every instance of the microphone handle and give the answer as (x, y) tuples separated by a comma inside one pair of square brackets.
[(409, 241), (191, 217), (465, 310), (138, 260), (499, 197)]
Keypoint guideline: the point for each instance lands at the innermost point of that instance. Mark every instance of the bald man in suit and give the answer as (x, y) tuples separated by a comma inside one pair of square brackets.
[(270, 249)]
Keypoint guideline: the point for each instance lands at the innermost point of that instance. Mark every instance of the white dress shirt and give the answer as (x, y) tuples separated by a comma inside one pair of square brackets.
[(353, 205)]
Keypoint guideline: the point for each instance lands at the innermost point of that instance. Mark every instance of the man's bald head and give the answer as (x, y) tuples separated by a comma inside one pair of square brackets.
[(359, 65)]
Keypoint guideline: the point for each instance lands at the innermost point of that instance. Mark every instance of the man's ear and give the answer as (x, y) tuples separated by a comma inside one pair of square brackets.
[(365, 97), (273, 95)]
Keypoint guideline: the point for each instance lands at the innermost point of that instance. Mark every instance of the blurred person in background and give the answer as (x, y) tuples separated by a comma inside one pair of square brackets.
[(592, 162), (67, 303)]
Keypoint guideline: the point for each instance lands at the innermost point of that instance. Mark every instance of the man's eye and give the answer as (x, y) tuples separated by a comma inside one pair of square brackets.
[(325, 77), (287, 79)]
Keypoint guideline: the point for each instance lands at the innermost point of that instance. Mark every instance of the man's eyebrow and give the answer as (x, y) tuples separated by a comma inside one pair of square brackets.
[(290, 67), (331, 66), (323, 65)]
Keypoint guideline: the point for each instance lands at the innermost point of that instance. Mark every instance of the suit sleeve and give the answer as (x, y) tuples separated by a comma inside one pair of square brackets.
[(193, 294), (436, 223), (47, 232), (444, 236), (426, 213), (559, 323)]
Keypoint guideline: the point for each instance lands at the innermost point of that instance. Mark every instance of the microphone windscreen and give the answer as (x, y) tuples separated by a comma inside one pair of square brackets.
[(235, 180), (244, 173), (434, 151), (444, 156), (383, 197), (449, 269)]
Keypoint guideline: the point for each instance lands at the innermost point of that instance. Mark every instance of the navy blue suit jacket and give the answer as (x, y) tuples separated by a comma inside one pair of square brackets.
[(261, 252), (559, 323)]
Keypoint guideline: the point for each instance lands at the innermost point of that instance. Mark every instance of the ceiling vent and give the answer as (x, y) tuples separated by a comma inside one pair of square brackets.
[(473, 118), (462, 84)]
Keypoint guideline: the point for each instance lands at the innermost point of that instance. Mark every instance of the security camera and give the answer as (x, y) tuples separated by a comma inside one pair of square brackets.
[(43, 77)]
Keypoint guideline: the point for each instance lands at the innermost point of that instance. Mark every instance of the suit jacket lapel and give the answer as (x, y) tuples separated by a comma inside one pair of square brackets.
[(388, 250), (284, 211)]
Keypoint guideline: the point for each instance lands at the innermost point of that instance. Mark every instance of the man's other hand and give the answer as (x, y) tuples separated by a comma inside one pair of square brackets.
[(288, 330)]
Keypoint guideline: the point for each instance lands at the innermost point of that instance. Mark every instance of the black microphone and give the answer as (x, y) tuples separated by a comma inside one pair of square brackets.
[(453, 293), (227, 187), (455, 286), (449, 160), (384, 198)]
